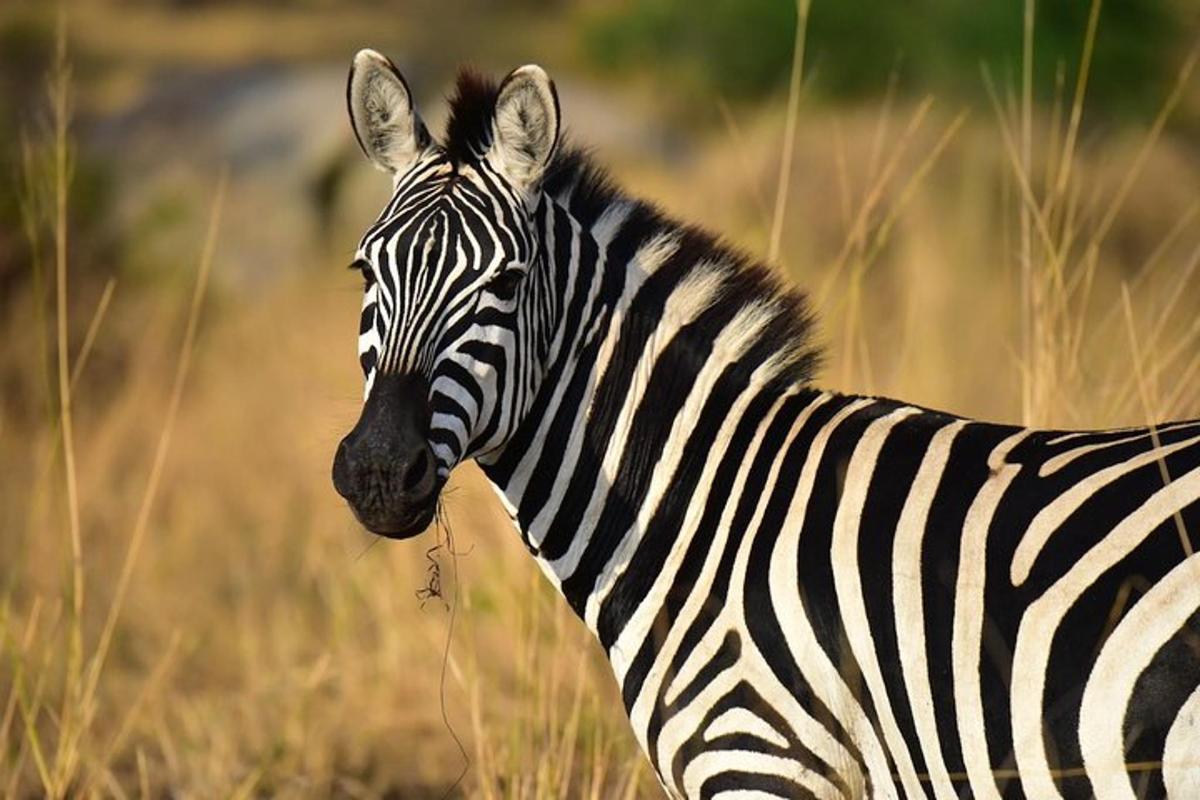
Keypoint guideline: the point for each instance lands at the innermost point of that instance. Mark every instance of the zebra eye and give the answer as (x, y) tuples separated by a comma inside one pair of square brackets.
[(364, 266), (504, 285)]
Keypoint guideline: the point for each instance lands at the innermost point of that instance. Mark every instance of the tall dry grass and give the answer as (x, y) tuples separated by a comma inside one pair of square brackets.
[(188, 609)]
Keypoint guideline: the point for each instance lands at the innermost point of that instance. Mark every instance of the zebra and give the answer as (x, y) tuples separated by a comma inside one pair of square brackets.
[(801, 593)]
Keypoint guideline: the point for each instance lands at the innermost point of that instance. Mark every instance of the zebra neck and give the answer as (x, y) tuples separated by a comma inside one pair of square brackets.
[(646, 367)]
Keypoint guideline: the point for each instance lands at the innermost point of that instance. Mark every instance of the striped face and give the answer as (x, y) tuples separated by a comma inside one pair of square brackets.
[(444, 270), (452, 284)]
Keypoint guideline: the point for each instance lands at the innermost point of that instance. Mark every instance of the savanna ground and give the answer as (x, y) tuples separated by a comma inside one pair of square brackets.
[(186, 608)]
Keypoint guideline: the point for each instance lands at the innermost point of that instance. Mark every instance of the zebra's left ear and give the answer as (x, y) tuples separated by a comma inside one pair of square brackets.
[(525, 126)]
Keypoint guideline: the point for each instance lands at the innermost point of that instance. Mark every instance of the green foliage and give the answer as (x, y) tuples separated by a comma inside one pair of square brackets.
[(26, 167), (24, 44), (742, 49), (734, 47)]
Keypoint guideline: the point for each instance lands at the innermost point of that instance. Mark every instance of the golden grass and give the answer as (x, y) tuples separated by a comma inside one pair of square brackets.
[(187, 608), (784, 184)]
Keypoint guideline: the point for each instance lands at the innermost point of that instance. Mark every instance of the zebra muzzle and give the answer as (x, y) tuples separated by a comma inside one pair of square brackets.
[(384, 467)]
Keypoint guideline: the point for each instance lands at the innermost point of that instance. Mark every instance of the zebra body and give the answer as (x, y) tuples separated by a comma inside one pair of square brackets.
[(859, 596), (801, 593)]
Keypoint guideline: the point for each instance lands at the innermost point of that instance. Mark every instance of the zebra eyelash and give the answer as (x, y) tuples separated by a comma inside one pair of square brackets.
[(363, 266)]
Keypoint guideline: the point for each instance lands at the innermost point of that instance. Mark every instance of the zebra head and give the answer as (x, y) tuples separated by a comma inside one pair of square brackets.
[(452, 282)]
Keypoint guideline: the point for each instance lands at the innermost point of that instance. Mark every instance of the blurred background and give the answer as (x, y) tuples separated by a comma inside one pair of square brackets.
[(995, 208)]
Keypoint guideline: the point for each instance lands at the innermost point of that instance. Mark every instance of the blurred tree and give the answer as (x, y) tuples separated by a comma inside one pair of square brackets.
[(742, 48), (26, 45), (735, 47), (26, 208)]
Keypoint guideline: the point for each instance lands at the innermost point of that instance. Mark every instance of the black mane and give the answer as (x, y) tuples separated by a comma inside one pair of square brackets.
[(575, 181), (469, 127)]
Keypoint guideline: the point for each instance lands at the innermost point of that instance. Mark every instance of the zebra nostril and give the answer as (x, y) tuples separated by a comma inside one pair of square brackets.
[(415, 473), (344, 478)]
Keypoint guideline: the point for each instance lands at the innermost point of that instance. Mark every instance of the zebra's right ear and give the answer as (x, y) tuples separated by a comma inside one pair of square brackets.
[(524, 126), (385, 122)]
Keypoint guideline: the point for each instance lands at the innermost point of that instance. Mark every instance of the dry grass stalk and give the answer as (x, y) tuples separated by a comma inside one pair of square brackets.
[(789, 135), (60, 83)]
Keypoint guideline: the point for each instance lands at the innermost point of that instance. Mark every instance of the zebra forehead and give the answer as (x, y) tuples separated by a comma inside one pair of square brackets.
[(483, 226)]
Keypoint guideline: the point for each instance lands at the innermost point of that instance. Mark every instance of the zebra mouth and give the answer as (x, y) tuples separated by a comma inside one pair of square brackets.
[(400, 527)]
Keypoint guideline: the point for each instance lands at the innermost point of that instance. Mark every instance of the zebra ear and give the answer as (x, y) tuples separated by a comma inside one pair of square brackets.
[(385, 122), (525, 126)]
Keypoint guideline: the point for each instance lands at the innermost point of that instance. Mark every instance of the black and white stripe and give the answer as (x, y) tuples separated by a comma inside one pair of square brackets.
[(801, 593)]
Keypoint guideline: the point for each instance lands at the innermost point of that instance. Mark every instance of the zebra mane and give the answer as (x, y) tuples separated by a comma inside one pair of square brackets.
[(469, 126), (577, 182)]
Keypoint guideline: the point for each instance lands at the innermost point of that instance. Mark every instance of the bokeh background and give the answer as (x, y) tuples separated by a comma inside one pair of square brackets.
[(995, 207)]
